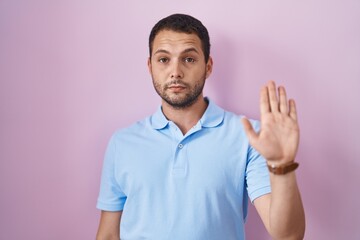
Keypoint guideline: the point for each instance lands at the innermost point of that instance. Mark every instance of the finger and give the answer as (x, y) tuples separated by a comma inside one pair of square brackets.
[(283, 103), (292, 110), (274, 104), (249, 130), (264, 101)]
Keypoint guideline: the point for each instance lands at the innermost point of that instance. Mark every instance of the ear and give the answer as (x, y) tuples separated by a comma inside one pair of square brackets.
[(149, 65), (209, 67)]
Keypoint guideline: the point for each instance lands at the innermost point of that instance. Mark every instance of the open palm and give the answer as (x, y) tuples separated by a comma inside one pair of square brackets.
[(278, 138)]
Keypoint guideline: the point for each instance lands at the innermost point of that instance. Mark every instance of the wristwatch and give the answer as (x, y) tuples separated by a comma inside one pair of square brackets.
[(283, 169)]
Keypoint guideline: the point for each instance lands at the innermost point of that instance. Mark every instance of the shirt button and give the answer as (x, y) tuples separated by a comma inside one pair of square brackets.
[(181, 146)]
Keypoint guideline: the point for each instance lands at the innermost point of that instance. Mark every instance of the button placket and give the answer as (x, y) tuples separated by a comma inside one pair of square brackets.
[(180, 161)]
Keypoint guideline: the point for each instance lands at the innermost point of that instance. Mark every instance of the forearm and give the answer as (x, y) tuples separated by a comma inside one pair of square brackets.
[(101, 236), (286, 213), (109, 226)]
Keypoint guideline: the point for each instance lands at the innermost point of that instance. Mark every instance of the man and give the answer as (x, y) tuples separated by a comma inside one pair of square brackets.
[(186, 171)]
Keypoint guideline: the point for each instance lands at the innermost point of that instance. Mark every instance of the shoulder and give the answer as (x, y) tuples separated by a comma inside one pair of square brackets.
[(233, 121), (135, 130), (228, 120)]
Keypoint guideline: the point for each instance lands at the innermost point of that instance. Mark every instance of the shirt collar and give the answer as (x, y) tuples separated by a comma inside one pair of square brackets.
[(213, 116), (158, 120)]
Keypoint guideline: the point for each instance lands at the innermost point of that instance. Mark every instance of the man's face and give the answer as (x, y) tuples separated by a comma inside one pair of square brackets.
[(178, 68)]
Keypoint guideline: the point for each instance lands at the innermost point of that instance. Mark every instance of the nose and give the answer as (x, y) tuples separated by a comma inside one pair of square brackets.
[(176, 70)]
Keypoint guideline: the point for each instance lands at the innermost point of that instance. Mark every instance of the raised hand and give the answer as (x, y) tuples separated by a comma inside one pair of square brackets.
[(278, 138)]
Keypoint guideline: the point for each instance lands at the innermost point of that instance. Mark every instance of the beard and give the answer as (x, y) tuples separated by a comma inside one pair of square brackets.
[(178, 101)]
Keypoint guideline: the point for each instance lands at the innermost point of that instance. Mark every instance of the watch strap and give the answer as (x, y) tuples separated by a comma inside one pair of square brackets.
[(283, 169)]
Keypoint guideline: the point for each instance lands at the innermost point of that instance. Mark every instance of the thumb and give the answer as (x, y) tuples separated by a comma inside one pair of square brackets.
[(249, 130)]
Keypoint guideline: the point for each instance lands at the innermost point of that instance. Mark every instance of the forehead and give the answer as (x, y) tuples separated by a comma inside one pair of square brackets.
[(168, 39)]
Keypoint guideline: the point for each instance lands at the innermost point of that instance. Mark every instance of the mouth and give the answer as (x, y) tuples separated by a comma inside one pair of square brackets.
[(176, 88)]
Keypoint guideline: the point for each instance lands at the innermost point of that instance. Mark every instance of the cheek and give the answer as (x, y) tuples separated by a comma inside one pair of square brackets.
[(159, 72), (201, 73)]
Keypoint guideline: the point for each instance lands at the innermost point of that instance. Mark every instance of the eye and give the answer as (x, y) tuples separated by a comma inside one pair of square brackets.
[(163, 60), (189, 60)]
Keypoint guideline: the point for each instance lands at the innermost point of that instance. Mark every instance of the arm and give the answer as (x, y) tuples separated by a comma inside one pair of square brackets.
[(281, 211), (109, 227)]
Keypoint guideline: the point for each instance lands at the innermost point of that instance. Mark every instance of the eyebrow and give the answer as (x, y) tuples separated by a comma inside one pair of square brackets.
[(185, 51), (190, 50)]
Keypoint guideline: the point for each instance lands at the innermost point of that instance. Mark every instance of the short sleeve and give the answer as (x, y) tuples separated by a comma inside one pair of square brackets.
[(257, 173), (111, 197)]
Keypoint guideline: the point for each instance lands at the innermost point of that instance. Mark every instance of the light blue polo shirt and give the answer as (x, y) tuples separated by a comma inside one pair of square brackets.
[(172, 186)]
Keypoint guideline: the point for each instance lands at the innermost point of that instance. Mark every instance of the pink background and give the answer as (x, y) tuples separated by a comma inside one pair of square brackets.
[(71, 72)]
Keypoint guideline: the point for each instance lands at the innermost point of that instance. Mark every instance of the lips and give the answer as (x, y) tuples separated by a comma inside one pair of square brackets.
[(175, 85), (176, 88)]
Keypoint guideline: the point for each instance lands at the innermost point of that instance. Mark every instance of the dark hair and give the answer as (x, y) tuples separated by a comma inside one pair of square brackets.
[(182, 23)]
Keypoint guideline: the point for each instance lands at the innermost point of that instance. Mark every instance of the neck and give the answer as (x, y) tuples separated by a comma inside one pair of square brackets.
[(185, 118)]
